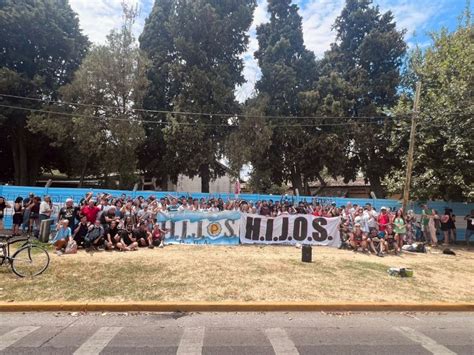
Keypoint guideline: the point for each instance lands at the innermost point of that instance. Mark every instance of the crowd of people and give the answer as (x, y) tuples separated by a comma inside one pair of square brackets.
[(103, 221)]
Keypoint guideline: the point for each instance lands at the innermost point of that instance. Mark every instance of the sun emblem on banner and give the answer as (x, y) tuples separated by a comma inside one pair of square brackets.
[(214, 229)]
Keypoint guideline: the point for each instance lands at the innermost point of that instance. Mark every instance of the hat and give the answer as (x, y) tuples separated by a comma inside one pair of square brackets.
[(69, 200), (383, 208)]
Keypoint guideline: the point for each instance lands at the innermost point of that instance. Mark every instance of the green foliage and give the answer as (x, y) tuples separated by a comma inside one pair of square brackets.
[(195, 47), (366, 60), (41, 46), (444, 151), (112, 75)]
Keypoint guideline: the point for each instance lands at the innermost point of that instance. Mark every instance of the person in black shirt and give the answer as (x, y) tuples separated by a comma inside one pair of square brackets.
[(470, 226), (80, 232), (70, 213), (112, 236), (127, 240), (143, 236)]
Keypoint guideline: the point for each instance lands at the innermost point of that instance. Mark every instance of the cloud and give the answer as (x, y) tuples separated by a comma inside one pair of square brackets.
[(318, 19), (97, 18), (251, 70)]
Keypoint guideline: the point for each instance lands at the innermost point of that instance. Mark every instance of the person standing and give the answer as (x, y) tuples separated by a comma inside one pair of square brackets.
[(17, 215), (3, 206), (45, 209), (425, 219), (470, 226), (400, 228), (432, 220)]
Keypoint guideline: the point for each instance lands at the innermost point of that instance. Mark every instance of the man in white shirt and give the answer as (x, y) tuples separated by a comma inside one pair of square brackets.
[(371, 216)]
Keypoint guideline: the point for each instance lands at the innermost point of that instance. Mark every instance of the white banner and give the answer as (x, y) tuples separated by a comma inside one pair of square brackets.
[(289, 229)]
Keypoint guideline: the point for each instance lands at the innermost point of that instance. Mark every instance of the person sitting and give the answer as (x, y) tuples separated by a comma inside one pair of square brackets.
[(158, 236), (143, 236), (112, 237), (374, 242), (95, 236), (63, 236), (390, 240), (358, 239), (127, 239), (81, 231)]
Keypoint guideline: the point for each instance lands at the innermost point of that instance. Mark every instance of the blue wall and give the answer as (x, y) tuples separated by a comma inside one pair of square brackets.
[(59, 196)]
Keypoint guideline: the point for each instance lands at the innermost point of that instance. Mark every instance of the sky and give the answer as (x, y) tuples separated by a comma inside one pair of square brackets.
[(417, 17)]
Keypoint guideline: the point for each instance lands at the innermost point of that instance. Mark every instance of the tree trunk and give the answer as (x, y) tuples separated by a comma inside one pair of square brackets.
[(322, 184), (205, 175), (376, 186), (307, 190), (20, 157), (83, 173), (296, 181)]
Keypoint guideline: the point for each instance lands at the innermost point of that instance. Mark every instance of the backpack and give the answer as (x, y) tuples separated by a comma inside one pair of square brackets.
[(71, 247)]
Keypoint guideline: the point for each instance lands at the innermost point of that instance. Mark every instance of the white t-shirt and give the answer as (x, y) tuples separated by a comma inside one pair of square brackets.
[(371, 217), (44, 208)]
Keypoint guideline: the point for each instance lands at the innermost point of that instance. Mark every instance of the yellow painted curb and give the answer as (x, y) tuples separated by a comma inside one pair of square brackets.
[(230, 307)]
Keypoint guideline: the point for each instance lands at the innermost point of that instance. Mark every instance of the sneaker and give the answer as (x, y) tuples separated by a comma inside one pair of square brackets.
[(161, 245), (151, 246), (59, 252)]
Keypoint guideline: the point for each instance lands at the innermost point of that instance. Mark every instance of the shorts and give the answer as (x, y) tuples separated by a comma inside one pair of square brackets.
[(156, 242)]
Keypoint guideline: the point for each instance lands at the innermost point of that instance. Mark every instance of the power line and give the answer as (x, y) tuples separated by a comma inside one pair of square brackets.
[(68, 114), (227, 115)]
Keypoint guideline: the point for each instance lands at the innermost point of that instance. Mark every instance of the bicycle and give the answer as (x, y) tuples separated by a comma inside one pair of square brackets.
[(28, 260)]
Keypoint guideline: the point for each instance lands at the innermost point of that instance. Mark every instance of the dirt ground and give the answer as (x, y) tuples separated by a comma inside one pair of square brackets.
[(246, 273)]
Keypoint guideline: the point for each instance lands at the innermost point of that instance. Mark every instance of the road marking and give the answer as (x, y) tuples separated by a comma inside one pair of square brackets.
[(282, 345), (426, 342), (191, 342), (13, 336), (98, 341)]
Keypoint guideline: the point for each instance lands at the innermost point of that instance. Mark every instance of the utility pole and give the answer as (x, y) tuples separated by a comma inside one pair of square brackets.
[(411, 148)]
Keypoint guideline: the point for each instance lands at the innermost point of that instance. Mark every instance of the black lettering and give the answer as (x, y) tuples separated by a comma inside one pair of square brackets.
[(321, 235), (172, 229), (229, 227), (269, 233), (300, 229), (184, 231), (284, 229), (199, 231), (252, 228)]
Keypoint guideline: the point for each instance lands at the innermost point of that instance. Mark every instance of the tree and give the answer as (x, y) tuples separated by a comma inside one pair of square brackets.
[(196, 49), (41, 45), (444, 149), (105, 130), (298, 149), (367, 57), (156, 41)]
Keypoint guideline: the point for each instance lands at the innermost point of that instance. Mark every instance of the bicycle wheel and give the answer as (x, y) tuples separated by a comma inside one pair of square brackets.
[(30, 260)]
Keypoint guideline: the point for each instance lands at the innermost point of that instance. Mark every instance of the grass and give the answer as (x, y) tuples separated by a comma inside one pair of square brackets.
[(245, 273)]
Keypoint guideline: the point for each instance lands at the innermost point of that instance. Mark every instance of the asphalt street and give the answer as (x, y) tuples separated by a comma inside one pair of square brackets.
[(237, 333)]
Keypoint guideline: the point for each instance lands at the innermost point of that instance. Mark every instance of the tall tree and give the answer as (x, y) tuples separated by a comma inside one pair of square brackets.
[(105, 129), (289, 73), (367, 56), (41, 45), (196, 49), (157, 42), (444, 149)]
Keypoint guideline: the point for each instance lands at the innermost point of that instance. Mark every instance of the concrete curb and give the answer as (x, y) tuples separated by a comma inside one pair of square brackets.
[(230, 307)]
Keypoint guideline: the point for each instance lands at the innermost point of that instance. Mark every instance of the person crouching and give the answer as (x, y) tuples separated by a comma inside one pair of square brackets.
[(358, 239), (94, 238), (63, 235)]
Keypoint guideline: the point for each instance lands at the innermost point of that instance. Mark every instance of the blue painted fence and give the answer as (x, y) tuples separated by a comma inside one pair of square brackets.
[(59, 196)]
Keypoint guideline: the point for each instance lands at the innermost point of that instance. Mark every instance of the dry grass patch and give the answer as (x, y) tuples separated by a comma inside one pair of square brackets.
[(245, 273)]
